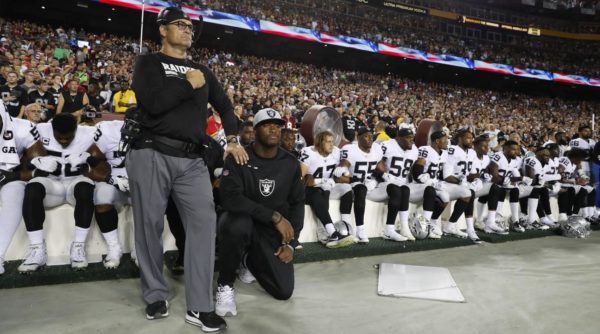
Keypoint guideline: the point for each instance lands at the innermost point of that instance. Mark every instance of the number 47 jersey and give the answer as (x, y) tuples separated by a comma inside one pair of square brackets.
[(320, 167), (398, 162)]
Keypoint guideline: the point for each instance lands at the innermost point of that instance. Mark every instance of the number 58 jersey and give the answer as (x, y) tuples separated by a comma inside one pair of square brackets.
[(398, 161), (84, 137), (362, 164)]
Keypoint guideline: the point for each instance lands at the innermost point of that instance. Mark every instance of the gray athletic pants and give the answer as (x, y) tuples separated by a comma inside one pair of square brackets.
[(152, 177)]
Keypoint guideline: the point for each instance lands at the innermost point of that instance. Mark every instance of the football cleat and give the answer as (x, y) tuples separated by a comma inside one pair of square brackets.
[(35, 259)]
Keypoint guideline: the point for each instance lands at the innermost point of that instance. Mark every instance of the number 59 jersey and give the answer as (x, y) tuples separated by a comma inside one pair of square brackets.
[(320, 167), (362, 164), (84, 137), (398, 161)]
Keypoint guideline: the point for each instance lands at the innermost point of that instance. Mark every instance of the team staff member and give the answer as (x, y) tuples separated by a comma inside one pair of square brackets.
[(264, 210), (167, 160)]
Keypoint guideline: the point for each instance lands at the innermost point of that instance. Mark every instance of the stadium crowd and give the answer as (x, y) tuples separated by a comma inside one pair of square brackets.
[(423, 33), (254, 83)]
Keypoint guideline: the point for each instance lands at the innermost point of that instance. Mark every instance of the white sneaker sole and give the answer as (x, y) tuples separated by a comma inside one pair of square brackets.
[(247, 281), (492, 231), (228, 313), (31, 270), (386, 237), (196, 322), (158, 316), (111, 265)]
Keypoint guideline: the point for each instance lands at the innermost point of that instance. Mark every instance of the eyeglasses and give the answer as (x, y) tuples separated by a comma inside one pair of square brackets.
[(183, 26)]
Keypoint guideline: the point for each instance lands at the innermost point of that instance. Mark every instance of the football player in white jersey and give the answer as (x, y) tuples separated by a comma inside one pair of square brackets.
[(66, 144), (585, 143), (112, 189), (455, 172), (399, 155), (580, 196), (481, 160), (427, 170), (553, 177), (503, 171), (532, 195), (361, 159), (18, 146), (321, 162)]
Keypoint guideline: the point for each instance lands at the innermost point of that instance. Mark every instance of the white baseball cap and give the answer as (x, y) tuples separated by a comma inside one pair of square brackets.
[(267, 115)]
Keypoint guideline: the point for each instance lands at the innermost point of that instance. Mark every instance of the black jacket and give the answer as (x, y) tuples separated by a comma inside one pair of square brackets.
[(169, 104), (263, 186)]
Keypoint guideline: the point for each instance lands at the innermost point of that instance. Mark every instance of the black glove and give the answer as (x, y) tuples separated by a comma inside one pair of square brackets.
[(6, 177)]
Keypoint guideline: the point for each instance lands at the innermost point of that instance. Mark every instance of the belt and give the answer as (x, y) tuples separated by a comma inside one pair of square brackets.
[(170, 146), (183, 146)]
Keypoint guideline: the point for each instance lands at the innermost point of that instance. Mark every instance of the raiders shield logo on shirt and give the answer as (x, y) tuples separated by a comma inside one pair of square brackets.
[(266, 187)]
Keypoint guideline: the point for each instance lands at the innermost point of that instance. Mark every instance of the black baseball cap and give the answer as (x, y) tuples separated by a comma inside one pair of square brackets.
[(171, 14), (405, 132), (437, 135), (362, 130)]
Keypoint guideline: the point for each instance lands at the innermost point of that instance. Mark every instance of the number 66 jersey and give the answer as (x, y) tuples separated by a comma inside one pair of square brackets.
[(84, 138)]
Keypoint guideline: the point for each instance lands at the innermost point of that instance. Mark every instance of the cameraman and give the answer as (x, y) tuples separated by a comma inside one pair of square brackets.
[(168, 160)]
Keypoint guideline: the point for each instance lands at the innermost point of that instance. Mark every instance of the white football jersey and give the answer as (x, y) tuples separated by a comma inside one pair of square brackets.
[(458, 162), (84, 137), (15, 140), (570, 169), (362, 164), (583, 144), (320, 167), (536, 165), (398, 161), (433, 161), (506, 168), (551, 168), (479, 165), (108, 137)]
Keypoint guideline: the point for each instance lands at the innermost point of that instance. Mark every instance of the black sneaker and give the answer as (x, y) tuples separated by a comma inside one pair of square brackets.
[(517, 227), (336, 240), (157, 310), (207, 321)]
